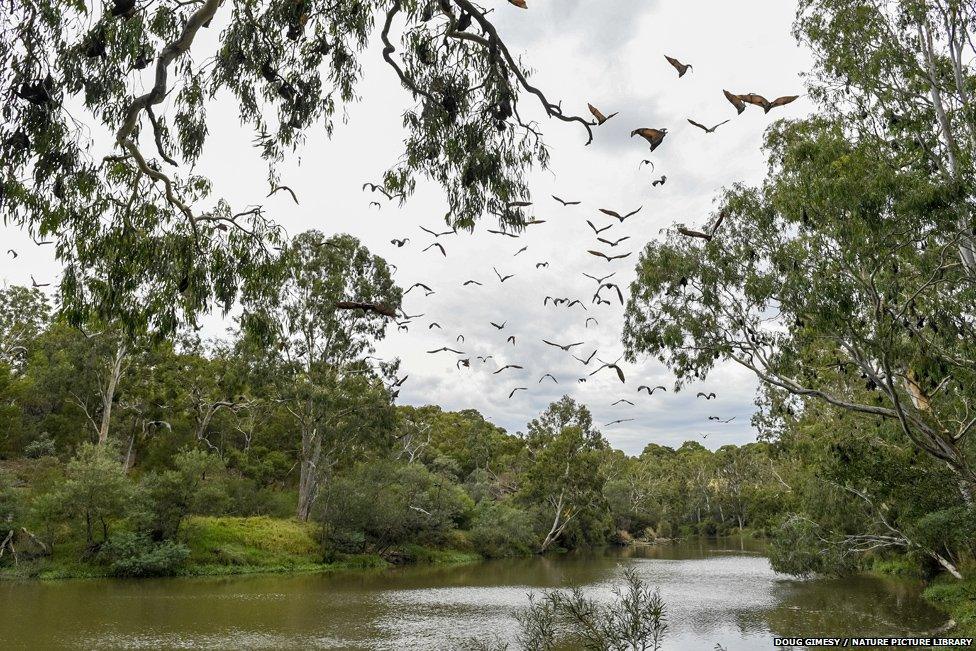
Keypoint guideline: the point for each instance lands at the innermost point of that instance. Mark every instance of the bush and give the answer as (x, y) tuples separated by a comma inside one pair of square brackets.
[(245, 498), (42, 446), (95, 493), (136, 555), (635, 619), (499, 530), (389, 503), (191, 487)]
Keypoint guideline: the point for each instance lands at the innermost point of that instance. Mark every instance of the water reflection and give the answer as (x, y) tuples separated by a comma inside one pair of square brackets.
[(719, 591)]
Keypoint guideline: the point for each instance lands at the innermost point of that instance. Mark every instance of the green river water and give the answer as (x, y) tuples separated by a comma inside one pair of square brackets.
[(716, 592)]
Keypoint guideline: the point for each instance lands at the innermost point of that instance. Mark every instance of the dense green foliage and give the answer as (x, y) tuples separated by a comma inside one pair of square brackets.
[(200, 439)]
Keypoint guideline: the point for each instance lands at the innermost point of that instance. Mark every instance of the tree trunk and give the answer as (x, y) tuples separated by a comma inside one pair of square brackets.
[(310, 476), (108, 394), (556, 528), (306, 490), (948, 565)]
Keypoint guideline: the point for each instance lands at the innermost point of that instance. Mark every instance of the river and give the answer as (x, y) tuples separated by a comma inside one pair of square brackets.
[(716, 592)]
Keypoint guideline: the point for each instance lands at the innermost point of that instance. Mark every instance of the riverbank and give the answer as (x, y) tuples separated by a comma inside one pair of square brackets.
[(956, 598), (950, 595), (224, 546)]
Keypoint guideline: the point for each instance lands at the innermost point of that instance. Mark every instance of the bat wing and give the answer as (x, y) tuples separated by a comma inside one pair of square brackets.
[(736, 101), (699, 125), (600, 118), (783, 101)]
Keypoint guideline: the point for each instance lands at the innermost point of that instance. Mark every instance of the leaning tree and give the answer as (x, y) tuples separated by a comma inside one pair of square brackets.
[(105, 115)]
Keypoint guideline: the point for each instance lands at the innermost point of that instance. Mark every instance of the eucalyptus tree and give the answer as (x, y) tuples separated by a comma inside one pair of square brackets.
[(24, 313), (904, 68), (318, 351), (837, 280), (107, 112), (566, 462)]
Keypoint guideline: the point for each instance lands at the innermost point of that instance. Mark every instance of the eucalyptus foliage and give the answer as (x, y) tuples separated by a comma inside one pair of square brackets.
[(847, 276), (106, 115)]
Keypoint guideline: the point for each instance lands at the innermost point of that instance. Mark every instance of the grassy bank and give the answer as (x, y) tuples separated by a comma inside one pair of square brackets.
[(958, 599), (230, 545), (954, 597)]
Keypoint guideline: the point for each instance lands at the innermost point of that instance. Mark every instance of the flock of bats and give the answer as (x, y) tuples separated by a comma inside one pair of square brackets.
[(654, 137)]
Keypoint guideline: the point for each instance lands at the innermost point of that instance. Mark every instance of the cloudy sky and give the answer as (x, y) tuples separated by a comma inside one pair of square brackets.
[(609, 53)]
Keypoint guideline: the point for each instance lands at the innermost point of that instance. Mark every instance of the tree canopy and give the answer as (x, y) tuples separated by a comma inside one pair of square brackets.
[(95, 162)]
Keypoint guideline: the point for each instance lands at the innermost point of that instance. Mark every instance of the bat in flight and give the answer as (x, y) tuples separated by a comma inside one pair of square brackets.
[(608, 258), (682, 68), (565, 348), (586, 362), (502, 278), (740, 101), (654, 137), (439, 246), (516, 389), (709, 234), (450, 232), (376, 308), (614, 213), (598, 230), (600, 117), (502, 233), (374, 187), (621, 420), (758, 100), (445, 349), (614, 242), (649, 390), (566, 203), (516, 366), (704, 128), (620, 373)]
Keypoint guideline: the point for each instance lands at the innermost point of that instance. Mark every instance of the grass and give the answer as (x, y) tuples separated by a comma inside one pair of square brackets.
[(255, 542), (958, 599), (899, 566)]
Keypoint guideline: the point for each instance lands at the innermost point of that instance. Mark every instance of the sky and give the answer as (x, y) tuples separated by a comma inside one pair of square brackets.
[(610, 53)]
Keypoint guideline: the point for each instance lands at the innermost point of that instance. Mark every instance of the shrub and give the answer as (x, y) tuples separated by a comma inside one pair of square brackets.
[(635, 619), (191, 487), (499, 530), (42, 446), (95, 493), (390, 503), (136, 555)]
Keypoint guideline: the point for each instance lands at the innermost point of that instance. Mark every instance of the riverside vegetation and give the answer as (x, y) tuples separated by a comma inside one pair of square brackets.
[(198, 474), (844, 282)]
